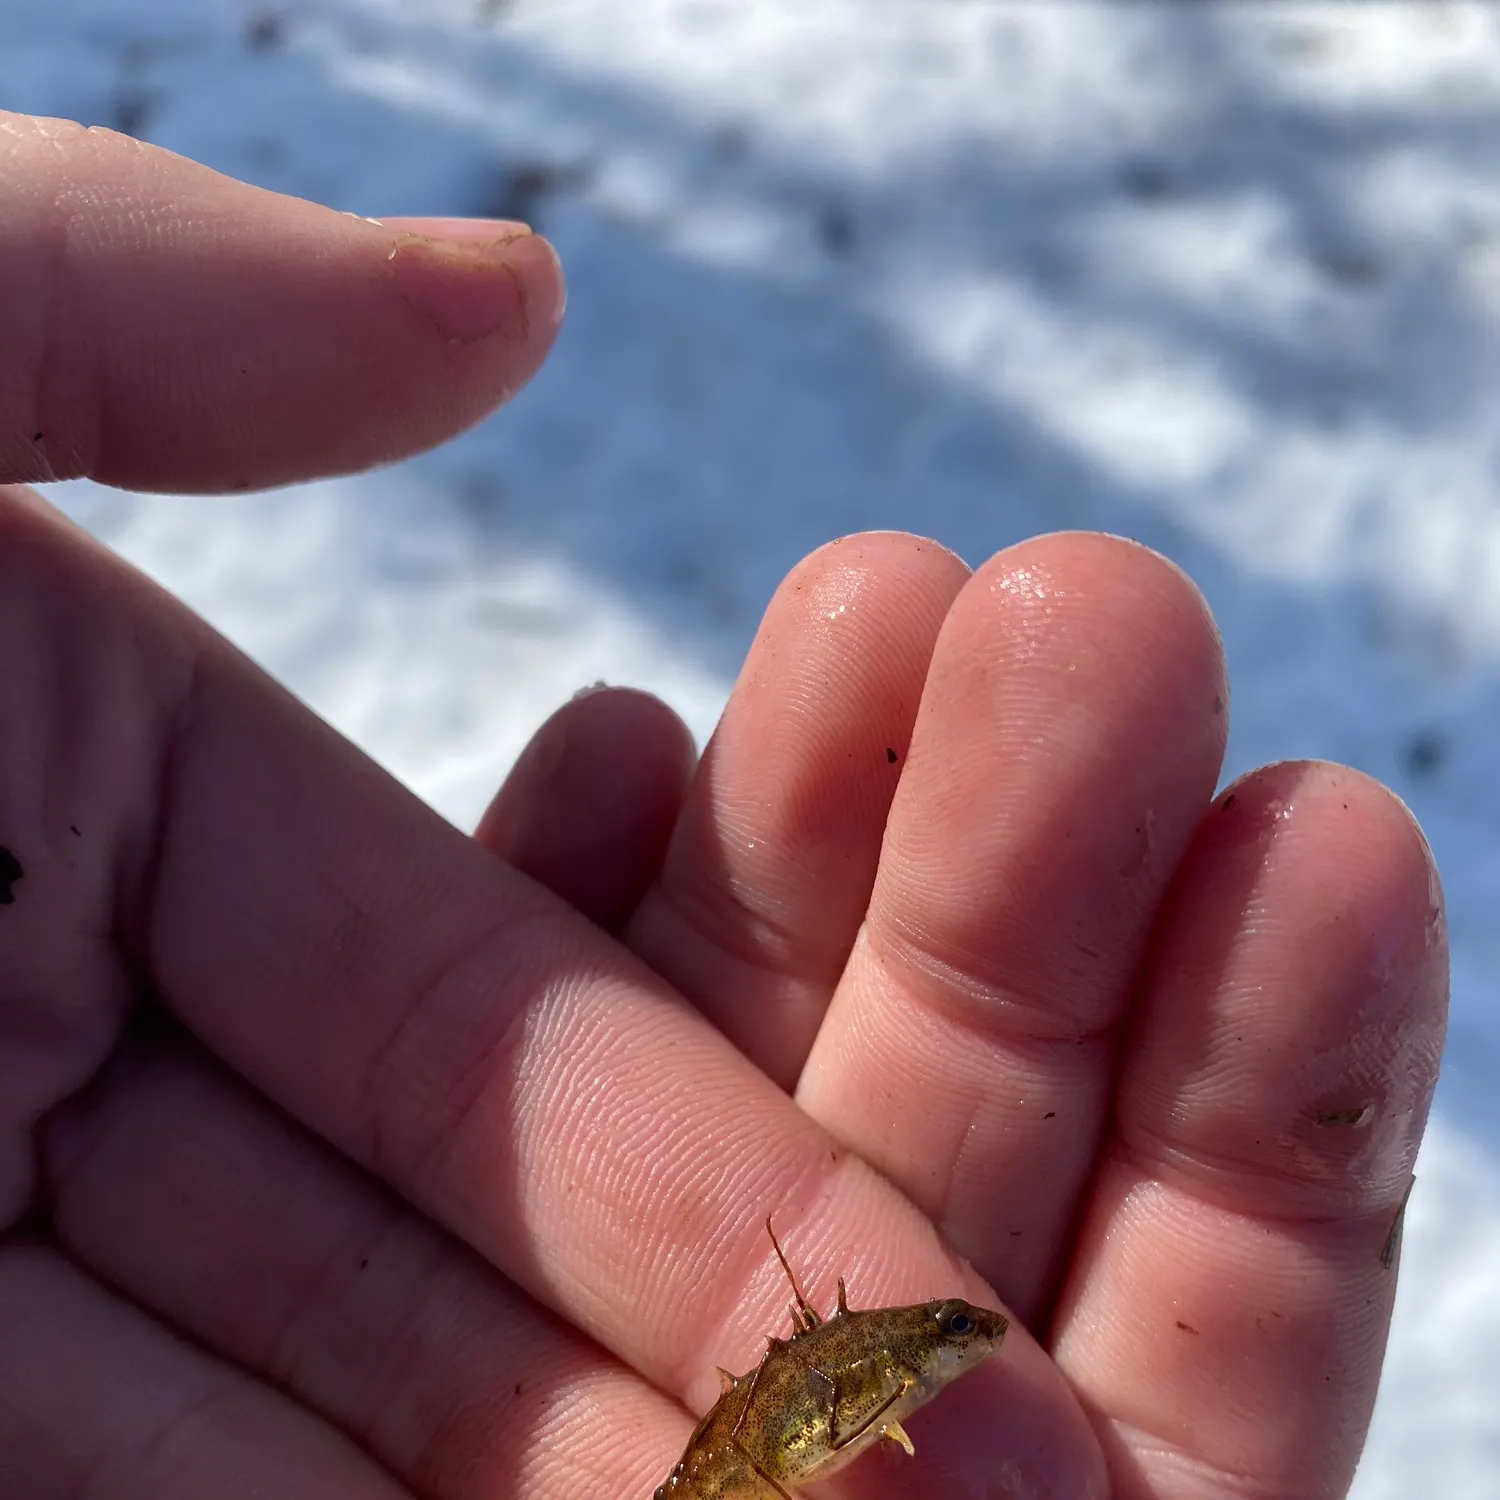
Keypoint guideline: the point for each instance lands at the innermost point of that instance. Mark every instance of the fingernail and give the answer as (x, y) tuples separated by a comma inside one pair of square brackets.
[(495, 231), (492, 278)]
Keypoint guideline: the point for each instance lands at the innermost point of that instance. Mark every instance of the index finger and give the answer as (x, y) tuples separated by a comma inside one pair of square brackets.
[(165, 327)]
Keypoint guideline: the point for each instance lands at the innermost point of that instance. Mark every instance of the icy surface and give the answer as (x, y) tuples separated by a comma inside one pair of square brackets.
[(1226, 279)]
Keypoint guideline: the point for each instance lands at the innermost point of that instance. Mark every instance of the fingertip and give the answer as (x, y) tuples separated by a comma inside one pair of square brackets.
[(1351, 850), (1100, 571), (1295, 1001), (589, 807), (869, 548), (1011, 1428)]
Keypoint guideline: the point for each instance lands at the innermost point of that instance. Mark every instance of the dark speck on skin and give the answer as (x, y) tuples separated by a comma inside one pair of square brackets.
[(10, 873), (1229, 801), (1357, 1115), (1050, 1115), (890, 755), (1392, 1247)]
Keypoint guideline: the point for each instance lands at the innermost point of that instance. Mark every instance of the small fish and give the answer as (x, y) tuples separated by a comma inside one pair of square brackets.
[(820, 1398)]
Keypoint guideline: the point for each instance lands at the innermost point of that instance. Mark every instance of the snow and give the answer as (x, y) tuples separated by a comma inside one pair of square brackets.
[(1226, 279)]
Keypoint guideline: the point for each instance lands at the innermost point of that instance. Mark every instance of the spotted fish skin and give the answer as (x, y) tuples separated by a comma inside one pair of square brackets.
[(834, 1389)]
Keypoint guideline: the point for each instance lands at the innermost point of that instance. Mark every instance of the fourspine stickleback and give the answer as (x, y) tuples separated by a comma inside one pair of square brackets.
[(820, 1398)]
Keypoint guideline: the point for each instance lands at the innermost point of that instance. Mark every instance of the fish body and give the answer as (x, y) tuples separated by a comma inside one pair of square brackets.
[(820, 1398)]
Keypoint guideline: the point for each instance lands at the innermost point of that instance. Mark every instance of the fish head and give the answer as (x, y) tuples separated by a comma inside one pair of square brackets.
[(947, 1338)]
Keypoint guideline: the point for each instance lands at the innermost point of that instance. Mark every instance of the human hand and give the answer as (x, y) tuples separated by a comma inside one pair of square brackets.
[(308, 1243), (1158, 1066)]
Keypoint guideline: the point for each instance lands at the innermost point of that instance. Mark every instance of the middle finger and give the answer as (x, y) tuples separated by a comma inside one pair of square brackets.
[(1069, 738)]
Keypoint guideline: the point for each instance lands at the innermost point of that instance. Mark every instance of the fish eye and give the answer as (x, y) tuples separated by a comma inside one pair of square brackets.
[(955, 1318)]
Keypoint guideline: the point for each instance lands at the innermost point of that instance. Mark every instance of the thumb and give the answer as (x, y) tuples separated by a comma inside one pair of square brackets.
[(165, 327)]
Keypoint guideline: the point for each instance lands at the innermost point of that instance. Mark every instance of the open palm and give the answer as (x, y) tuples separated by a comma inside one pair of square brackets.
[(340, 1157)]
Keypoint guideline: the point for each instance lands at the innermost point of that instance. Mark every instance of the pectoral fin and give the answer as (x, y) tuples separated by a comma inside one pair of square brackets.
[(897, 1434)]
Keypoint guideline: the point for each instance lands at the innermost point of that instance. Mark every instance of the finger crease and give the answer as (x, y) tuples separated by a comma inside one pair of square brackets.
[(979, 1006), (1191, 1174), (725, 921), (389, 1063)]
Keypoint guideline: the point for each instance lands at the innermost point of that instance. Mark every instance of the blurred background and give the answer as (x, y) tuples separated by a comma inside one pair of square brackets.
[(1222, 278)]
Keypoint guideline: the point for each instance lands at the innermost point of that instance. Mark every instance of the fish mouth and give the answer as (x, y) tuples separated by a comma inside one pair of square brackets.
[(992, 1325)]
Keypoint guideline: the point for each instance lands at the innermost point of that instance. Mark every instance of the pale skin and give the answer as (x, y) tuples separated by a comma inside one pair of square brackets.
[(427, 1178)]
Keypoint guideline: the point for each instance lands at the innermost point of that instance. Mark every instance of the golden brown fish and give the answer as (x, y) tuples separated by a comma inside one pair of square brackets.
[(822, 1397)]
